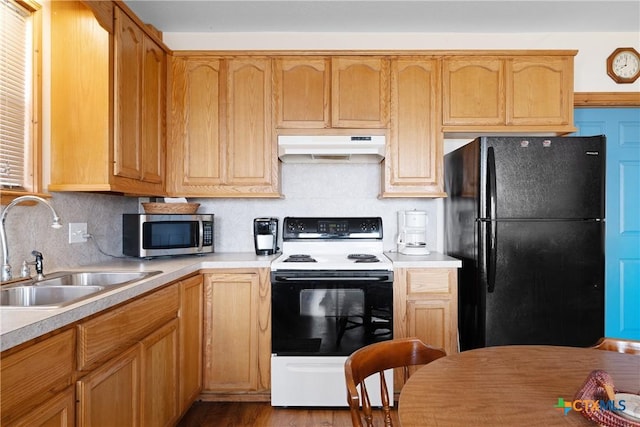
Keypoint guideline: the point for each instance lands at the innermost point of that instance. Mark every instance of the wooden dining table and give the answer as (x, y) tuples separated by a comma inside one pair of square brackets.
[(509, 386)]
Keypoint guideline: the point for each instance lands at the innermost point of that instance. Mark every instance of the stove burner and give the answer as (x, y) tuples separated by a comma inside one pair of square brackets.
[(363, 258), (299, 258)]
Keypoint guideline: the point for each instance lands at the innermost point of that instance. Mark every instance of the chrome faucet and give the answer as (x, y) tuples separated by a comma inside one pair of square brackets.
[(6, 267)]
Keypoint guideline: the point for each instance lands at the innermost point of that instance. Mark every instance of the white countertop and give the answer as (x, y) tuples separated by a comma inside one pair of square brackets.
[(433, 260), (19, 325)]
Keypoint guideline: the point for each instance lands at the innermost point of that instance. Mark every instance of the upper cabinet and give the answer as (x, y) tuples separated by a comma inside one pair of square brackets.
[(222, 142), (108, 94), (139, 103), (301, 92), (331, 92), (360, 92), (508, 93), (413, 161)]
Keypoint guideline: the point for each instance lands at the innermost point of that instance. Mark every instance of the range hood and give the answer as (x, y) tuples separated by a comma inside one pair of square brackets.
[(331, 148)]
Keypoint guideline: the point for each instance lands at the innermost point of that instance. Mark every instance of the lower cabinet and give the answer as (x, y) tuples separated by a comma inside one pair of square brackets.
[(139, 364), (137, 387), (56, 412), (110, 395), (426, 307), (191, 318), (237, 331), (36, 382), (160, 385)]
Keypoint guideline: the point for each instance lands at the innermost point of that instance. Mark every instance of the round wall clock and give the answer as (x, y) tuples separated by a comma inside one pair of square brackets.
[(623, 65)]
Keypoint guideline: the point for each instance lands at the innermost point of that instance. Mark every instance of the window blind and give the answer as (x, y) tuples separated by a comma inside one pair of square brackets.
[(15, 93)]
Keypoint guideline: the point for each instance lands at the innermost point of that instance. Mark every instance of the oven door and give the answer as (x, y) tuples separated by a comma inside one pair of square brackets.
[(329, 313)]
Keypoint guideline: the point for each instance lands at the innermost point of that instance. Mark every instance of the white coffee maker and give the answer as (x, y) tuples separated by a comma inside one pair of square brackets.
[(412, 232)]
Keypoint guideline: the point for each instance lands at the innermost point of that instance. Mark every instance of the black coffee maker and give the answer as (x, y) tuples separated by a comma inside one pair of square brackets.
[(265, 235)]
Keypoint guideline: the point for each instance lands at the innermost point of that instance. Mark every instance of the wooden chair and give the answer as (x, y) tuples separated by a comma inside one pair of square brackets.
[(619, 345), (376, 358)]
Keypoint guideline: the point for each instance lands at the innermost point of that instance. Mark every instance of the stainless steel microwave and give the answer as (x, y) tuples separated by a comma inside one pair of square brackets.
[(154, 235)]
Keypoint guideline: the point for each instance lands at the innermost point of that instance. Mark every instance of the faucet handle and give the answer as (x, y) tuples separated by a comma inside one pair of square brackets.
[(25, 271)]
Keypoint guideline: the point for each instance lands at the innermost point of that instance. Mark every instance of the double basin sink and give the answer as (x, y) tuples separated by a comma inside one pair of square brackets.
[(64, 288)]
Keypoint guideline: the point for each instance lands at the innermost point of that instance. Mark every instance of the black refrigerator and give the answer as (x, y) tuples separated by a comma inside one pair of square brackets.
[(526, 217)]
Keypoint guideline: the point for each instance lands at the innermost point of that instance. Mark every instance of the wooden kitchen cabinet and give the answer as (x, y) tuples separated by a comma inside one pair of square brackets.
[(160, 381), (222, 142), (413, 162), (135, 364), (302, 92), (540, 92), (426, 306), (110, 395), (191, 326), (501, 93), (56, 412), (36, 381), (237, 331), (139, 103), (322, 92), (359, 92), (107, 85), (128, 358)]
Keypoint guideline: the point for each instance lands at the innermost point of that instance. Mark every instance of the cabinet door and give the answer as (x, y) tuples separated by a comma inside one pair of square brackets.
[(540, 91), (429, 320), (153, 112), (160, 376), (195, 160), (127, 82), (251, 155), (191, 324), (57, 412), (110, 395), (35, 374), (473, 91), (360, 92), (231, 332), (413, 163), (80, 91), (432, 306), (301, 92)]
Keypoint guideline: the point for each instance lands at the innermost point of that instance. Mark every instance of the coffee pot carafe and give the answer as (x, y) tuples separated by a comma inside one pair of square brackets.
[(265, 235), (412, 232)]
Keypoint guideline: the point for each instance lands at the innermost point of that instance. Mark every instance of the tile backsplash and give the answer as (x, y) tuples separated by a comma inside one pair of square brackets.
[(308, 190), (28, 228)]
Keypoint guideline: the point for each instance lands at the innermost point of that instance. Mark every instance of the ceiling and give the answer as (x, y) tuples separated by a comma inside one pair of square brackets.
[(430, 16)]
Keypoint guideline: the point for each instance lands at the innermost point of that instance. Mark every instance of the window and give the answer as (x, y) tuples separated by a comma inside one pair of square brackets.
[(20, 93)]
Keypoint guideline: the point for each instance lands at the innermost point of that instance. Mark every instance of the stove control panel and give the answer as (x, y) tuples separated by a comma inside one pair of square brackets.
[(332, 228)]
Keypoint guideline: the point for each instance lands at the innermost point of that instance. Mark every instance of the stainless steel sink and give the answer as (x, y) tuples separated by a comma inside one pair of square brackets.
[(52, 296), (66, 287), (94, 278)]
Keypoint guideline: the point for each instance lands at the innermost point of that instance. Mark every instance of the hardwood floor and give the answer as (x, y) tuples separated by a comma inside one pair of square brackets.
[(262, 414)]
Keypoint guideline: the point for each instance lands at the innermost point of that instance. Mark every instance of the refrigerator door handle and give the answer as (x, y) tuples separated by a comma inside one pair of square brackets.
[(491, 224)]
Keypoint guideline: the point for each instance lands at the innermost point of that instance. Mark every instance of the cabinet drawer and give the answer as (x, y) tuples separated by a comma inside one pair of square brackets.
[(429, 281), (103, 336), (36, 374)]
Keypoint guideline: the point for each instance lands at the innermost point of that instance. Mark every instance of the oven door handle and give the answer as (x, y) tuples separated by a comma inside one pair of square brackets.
[(330, 279)]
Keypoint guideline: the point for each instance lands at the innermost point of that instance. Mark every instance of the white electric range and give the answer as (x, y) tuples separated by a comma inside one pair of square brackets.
[(331, 293)]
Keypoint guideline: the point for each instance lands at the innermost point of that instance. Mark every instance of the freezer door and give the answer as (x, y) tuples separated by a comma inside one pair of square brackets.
[(548, 283), (536, 177)]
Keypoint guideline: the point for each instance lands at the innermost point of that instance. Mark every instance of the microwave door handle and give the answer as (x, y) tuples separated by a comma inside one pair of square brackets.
[(200, 235)]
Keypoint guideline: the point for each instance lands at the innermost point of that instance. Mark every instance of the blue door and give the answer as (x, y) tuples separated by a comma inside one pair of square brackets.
[(622, 244)]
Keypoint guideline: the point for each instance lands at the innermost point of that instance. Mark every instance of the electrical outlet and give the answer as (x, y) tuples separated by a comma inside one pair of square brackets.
[(77, 230)]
